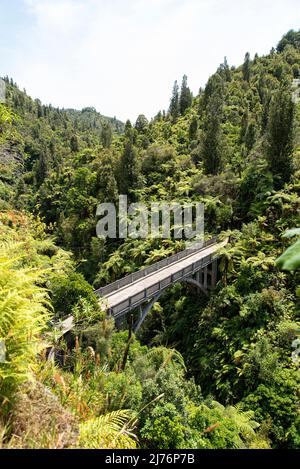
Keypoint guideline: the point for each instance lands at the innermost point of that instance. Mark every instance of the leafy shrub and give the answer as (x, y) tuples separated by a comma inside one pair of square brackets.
[(66, 291)]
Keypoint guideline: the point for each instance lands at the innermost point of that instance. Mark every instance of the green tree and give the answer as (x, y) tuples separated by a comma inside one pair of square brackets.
[(224, 70), (174, 104), (213, 141), (129, 171), (74, 144), (67, 291), (290, 38), (246, 67), (193, 128), (141, 123), (106, 135), (280, 137), (186, 98), (42, 167), (106, 182)]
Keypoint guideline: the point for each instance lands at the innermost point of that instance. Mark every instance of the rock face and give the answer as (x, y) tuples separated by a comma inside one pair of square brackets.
[(10, 156), (11, 168), (39, 420)]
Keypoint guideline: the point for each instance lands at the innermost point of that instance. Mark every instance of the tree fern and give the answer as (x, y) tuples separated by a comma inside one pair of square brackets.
[(108, 431)]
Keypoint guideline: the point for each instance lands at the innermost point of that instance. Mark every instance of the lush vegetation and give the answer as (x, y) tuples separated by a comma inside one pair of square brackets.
[(204, 372)]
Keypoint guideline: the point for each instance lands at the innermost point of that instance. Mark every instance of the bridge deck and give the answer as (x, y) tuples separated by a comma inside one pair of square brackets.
[(116, 298)]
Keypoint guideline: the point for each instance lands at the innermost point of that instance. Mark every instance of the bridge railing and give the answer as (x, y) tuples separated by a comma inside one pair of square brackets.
[(153, 290), (131, 278)]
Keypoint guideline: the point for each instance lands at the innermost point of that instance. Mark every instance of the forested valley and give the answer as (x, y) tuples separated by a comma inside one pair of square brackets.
[(207, 372)]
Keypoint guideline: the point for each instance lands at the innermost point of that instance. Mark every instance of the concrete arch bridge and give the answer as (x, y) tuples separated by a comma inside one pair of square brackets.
[(142, 289)]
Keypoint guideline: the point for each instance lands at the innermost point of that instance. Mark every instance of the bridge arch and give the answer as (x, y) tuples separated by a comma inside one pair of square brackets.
[(147, 308)]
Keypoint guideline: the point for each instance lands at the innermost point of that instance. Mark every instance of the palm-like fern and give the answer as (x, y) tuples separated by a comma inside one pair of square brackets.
[(23, 316), (110, 431), (234, 417), (243, 420)]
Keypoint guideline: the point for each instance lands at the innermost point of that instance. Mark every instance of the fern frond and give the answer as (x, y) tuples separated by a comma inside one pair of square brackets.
[(108, 431)]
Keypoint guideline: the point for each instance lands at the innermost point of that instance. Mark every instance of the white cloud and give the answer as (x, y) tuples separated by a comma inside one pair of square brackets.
[(122, 56)]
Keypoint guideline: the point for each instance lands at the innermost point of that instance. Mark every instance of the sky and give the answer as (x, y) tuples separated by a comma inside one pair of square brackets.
[(123, 56)]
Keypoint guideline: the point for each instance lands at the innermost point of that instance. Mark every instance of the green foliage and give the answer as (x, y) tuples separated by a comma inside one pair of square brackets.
[(106, 135), (280, 134), (216, 426), (142, 123), (290, 38), (174, 104), (129, 170), (164, 429), (23, 317), (185, 100), (107, 432), (247, 67), (290, 259), (278, 403), (67, 291), (6, 120), (213, 142)]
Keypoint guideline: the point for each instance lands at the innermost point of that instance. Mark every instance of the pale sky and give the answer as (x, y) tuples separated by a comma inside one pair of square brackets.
[(123, 56)]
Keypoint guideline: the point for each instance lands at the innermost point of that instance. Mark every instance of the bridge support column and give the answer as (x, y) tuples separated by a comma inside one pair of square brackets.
[(118, 322), (198, 280), (205, 278), (144, 311), (214, 273)]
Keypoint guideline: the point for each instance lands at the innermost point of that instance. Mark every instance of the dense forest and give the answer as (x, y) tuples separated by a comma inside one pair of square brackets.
[(203, 372)]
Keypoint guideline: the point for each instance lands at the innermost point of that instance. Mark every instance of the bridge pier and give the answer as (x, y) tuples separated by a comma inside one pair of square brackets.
[(143, 312), (198, 280), (214, 273), (205, 270)]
